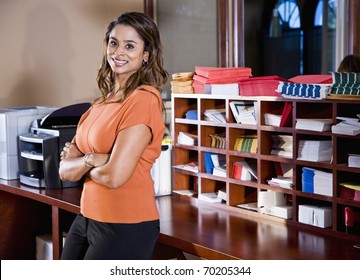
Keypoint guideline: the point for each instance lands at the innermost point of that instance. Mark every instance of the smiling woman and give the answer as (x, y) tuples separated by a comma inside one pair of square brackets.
[(125, 54), (117, 141)]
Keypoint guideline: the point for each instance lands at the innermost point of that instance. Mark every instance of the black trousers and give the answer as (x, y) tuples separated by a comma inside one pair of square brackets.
[(91, 240)]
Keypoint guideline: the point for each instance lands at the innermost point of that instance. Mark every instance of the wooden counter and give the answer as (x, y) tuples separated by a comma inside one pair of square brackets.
[(185, 225)]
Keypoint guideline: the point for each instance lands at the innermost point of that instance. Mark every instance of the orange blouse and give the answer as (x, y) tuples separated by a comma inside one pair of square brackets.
[(134, 201)]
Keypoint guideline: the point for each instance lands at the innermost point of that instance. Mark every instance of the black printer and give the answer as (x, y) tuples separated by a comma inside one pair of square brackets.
[(39, 150)]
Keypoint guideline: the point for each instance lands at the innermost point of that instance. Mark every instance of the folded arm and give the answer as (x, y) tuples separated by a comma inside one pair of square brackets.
[(113, 169)]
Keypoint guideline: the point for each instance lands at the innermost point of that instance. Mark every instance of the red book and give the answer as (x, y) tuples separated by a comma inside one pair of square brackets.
[(286, 115), (220, 72), (221, 80), (312, 79), (260, 86), (237, 171)]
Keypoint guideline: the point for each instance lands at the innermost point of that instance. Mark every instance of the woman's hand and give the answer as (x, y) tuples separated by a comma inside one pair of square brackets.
[(70, 150)]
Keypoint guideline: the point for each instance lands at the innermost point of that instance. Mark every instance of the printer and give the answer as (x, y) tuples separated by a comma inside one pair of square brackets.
[(40, 148)]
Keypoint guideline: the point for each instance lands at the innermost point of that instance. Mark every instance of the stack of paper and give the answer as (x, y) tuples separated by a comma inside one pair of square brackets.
[(244, 111), (211, 197), (347, 126), (185, 138), (316, 181), (280, 120), (315, 150), (272, 119), (282, 182), (182, 82), (215, 115), (354, 160), (282, 145), (314, 124), (224, 89), (191, 166)]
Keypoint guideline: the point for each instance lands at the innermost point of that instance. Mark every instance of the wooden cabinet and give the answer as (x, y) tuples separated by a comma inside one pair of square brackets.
[(247, 192)]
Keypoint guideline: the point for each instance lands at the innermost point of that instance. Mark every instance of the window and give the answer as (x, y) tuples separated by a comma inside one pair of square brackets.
[(318, 19), (289, 13)]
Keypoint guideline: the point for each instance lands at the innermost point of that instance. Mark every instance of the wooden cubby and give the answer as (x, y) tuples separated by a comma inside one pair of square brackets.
[(241, 192)]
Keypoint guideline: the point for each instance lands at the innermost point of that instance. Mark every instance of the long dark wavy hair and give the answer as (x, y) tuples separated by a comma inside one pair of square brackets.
[(151, 73)]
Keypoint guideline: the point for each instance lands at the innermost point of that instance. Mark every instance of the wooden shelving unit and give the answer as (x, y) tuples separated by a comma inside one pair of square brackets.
[(240, 192)]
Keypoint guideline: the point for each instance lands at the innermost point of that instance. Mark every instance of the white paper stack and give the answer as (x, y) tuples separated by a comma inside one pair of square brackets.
[(317, 181), (315, 150), (314, 124), (185, 138), (215, 115), (354, 160), (347, 126), (225, 89)]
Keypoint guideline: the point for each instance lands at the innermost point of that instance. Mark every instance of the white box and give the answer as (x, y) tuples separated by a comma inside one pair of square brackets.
[(315, 215), (13, 122), (284, 211), (161, 171), (44, 246)]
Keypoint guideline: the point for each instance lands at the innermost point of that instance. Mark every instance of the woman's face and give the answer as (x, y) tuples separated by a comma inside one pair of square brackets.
[(125, 51)]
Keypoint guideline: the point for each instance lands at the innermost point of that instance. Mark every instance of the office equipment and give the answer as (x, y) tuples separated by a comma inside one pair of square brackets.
[(161, 171), (39, 150), (13, 122)]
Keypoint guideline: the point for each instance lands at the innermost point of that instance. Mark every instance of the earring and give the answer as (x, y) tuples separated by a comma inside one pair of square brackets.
[(144, 62)]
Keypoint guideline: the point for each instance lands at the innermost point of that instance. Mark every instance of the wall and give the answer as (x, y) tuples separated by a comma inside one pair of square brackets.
[(50, 50)]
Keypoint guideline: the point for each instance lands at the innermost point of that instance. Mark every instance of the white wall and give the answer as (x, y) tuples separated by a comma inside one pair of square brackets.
[(50, 50)]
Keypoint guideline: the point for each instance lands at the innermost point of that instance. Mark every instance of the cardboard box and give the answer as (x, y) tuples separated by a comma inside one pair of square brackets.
[(13, 122), (315, 215)]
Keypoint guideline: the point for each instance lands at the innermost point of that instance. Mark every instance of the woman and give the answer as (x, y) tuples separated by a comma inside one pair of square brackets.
[(117, 141)]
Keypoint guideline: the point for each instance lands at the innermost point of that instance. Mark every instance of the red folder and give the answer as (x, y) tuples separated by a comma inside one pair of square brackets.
[(312, 79), (221, 72), (286, 115)]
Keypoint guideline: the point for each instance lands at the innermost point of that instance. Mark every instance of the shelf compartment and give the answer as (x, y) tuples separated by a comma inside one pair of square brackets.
[(240, 194), (184, 105), (243, 140), (314, 110), (348, 219), (247, 172), (344, 147), (272, 169), (213, 137), (322, 214), (184, 181), (350, 194), (211, 104), (276, 144), (350, 109), (313, 151), (274, 108)]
